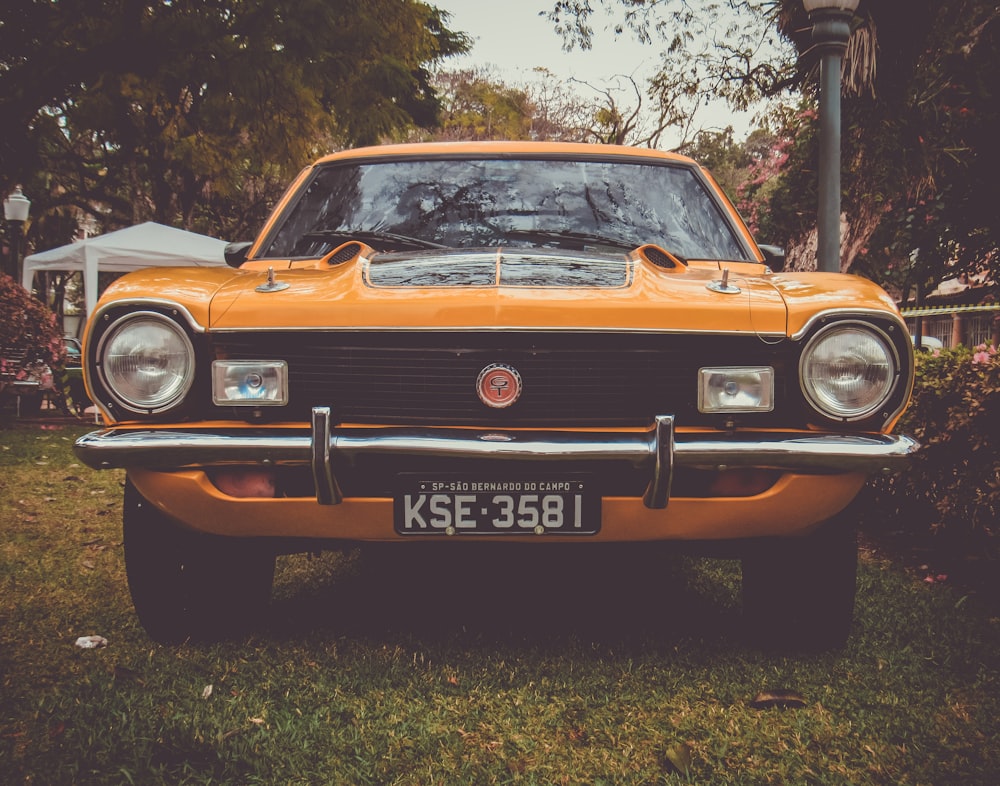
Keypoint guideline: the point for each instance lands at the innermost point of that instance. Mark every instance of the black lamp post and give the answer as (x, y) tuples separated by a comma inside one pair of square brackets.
[(831, 29), (15, 211)]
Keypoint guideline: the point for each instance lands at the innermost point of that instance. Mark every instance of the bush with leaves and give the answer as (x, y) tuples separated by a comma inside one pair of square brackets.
[(29, 330), (949, 497)]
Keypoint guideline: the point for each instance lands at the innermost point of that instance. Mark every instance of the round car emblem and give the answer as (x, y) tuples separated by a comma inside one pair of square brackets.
[(498, 385)]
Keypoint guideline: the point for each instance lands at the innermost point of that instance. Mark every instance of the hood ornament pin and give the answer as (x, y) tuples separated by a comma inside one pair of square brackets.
[(271, 285), (723, 286)]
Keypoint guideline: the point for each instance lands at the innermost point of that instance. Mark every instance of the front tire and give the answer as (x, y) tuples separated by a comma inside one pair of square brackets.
[(798, 593), (188, 585)]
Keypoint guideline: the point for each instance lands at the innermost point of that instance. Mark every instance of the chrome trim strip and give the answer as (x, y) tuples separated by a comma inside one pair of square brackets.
[(846, 313), (647, 450), (149, 302), (495, 329), (118, 448)]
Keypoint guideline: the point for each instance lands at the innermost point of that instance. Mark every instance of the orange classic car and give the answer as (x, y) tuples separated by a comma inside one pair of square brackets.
[(495, 342)]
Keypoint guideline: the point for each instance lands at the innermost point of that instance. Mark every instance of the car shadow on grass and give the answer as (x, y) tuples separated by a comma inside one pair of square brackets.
[(601, 593)]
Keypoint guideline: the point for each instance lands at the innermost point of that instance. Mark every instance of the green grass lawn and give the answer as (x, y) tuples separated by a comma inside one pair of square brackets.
[(547, 667)]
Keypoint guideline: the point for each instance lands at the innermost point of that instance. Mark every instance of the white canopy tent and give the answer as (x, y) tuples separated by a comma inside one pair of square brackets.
[(132, 248)]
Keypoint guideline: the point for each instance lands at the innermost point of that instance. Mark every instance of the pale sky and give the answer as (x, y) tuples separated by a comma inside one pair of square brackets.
[(511, 35), (513, 38)]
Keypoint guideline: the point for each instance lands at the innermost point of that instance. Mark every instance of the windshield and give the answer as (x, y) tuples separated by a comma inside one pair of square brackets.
[(592, 205)]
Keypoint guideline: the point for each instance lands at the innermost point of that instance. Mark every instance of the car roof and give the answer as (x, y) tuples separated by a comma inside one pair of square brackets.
[(500, 148)]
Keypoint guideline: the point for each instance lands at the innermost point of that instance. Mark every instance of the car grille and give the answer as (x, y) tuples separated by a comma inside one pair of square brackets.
[(569, 380)]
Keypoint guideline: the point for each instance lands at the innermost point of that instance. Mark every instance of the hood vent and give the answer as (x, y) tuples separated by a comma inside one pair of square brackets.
[(344, 253), (659, 257)]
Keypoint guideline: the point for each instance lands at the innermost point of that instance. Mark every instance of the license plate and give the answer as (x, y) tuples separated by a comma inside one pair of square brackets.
[(460, 505)]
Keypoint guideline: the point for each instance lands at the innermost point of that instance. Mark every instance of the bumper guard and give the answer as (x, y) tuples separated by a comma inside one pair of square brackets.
[(657, 450)]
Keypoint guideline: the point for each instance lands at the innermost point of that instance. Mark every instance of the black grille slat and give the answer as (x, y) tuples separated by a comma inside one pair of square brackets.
[(569, 380)]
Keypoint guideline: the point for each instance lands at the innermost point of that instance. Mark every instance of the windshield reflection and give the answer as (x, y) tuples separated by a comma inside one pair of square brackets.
[(578, 205)]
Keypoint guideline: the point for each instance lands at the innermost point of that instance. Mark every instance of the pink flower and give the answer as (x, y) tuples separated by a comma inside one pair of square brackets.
[(984, 354)]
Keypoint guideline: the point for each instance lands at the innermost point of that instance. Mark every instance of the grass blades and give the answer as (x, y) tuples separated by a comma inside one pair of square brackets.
[(547, 666)]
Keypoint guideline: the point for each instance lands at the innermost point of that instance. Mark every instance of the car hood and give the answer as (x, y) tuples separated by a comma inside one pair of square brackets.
[(502, 289)]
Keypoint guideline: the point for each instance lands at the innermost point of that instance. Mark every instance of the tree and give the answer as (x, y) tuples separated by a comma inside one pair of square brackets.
[(730, 49), (920, 118), (618, 116), (920, 107), (729, 161), (174, 110), (477, 105)]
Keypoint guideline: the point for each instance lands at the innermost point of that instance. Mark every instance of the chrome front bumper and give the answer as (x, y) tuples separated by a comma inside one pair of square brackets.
[(657, 450)]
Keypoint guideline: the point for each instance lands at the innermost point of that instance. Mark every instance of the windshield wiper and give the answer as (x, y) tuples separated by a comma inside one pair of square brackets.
[(385, 240), (578, 238), (583, 238)]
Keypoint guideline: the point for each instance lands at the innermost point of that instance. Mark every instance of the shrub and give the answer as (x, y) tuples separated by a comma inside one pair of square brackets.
[(951, 491), (29, 326)]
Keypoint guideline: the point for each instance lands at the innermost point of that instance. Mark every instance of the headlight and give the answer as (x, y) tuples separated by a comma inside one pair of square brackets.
[(848, 370), (146, 362), (736, 389), (250, 382)]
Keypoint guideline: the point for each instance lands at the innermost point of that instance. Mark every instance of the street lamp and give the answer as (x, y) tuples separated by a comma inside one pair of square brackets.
[(831, 29), (15, 211)]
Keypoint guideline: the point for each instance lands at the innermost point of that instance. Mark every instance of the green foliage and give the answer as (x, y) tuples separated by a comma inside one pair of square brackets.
[(728, 161), (172, 111), (951, 492), (920, 118), (920, 121), (527, 671), (477, 106)]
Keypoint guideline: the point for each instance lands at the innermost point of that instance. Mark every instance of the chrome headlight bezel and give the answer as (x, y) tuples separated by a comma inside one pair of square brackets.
[(821, 393), (176, 368)]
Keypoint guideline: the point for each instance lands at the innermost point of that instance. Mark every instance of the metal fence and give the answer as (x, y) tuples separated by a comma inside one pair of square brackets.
[(951, 325)]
